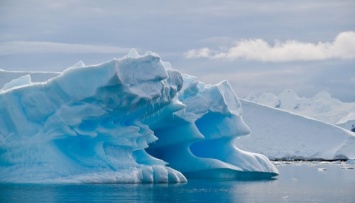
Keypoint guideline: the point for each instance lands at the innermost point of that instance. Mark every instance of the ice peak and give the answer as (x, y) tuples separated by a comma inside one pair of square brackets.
[(18, 82), (167, 65), (78, 64), (251, 97), (133, 54), (323, 95), (288, 93)]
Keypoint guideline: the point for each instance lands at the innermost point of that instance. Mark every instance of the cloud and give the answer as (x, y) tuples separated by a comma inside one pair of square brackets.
[(343, 47), (31, 47)]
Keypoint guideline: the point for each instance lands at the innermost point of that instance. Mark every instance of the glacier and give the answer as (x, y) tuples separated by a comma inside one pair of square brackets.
[(322, 106), (283, 135), (128, 120), (348, 121)]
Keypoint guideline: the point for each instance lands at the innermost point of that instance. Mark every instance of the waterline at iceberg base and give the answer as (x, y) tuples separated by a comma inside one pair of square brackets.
[(128, 120)]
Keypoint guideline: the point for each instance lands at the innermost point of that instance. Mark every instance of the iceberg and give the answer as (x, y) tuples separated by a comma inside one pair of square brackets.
[(34, 76), (128, 120), (282, 135), (322, 106), (348, 121), (23, 80)]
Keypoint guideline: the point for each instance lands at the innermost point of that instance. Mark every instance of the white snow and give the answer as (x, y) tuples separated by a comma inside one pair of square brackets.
[(280, 134), (348, 122), (322, 106)]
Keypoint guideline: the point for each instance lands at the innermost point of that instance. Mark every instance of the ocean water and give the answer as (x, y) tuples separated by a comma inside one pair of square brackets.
[(298, 182)]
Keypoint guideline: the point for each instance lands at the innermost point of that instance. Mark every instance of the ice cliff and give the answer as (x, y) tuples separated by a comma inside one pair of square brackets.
[(128, 120)]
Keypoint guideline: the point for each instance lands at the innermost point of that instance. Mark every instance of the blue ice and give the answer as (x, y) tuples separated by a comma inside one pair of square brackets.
[(128, 120)]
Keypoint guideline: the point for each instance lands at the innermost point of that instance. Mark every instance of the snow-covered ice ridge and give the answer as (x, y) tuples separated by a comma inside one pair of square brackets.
[(322, 106), (36, 76), (128, 120), (280, 134)]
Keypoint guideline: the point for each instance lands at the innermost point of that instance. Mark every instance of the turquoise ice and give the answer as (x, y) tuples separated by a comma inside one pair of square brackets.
[(129, 120)]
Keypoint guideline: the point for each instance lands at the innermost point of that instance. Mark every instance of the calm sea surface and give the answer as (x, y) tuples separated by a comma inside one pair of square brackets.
[(298, 182)]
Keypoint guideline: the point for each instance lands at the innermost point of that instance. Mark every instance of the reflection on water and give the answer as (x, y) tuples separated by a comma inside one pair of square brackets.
[(298, 182)]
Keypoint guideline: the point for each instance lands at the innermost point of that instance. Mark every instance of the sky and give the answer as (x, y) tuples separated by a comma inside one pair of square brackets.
[(258, 46)]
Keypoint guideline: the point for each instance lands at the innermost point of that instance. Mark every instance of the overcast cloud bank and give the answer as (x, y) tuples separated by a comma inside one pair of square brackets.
[(343, 47), (26, 47)]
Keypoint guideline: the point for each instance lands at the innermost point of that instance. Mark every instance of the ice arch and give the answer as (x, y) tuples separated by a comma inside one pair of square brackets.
[(94, 124)]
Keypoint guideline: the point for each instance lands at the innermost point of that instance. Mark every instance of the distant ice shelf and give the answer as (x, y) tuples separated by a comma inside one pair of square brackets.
[(322, 106), (282, 135), (128, 120)]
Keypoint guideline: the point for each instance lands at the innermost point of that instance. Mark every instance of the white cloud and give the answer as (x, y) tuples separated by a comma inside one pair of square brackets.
[(343, 47), (30, 47)]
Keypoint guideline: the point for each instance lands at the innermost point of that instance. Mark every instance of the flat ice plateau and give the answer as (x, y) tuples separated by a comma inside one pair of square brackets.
[(128, 120)]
